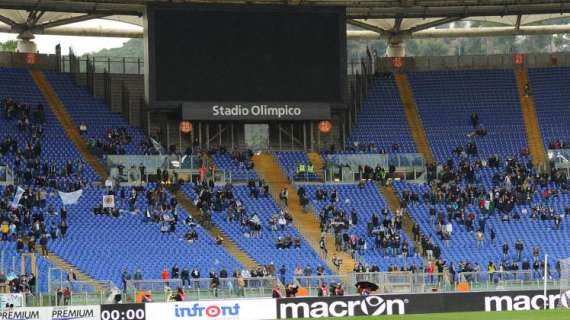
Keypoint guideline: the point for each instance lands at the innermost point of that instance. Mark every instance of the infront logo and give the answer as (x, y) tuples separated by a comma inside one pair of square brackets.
[(209, 311), (369, 306), (521, 302)]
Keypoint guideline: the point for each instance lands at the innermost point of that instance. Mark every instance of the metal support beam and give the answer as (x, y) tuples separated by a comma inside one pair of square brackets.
[(39, 16), (466, 32), (355, 9), (379, 31), (518, 23), (397, 25), (7, 21), (71, 20), (433, 24)]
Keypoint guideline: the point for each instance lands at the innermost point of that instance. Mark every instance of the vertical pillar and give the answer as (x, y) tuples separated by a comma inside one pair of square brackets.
[(220, 134), (208, 135), (305, 136), (179, 140), (232, 134), (311, 135), (319, 139), (167, 136), (280, 137), (292, 137), (395, 47), (200, 134)]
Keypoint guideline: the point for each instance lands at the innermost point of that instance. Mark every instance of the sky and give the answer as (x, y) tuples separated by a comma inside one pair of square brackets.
[(80, 45)]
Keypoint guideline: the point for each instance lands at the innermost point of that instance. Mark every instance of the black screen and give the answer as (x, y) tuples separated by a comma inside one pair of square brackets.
[(278, 54)]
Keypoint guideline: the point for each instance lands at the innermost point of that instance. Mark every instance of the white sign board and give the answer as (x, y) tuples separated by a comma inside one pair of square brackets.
[(239, 309)]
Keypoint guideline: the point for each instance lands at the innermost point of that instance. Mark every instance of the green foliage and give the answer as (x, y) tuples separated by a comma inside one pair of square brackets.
[(9, 46), (134, 48)]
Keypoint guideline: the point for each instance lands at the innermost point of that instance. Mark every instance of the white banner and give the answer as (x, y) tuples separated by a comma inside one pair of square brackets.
[(25, 313), (70, 197), (51, 313), (239, 309), (15, 299), (108, 201), (75, 312), (17, 197)]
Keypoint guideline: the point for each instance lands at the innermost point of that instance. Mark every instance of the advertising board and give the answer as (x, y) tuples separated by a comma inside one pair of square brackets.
[(381, 305), (128, 311), (239, 309), (50, 313)]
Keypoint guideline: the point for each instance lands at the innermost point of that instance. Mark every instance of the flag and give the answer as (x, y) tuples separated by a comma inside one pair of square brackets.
[(109, 201), (17, 197), (70, 197), (156, 146)]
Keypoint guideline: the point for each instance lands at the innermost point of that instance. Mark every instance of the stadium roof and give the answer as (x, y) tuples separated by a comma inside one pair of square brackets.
[(383, 18)]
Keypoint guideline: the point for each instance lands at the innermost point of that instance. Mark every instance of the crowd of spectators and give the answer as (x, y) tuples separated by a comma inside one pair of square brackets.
[(383, 230), (113, 142)]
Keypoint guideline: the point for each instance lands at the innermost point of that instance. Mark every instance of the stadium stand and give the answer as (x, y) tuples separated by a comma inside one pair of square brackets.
[(132, 241), (290, 161), (456, 94), (237, 168), (366, 201), (258, 228), (102, 124), (382, 121), (491, 94), (550, 96)]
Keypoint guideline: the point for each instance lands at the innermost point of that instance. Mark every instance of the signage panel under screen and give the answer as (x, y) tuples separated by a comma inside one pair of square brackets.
[(255, 111)]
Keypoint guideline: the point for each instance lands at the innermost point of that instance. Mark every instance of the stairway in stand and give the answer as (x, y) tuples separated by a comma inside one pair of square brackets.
[(214, 231), (394, 203), (66, 267), (58, 109), (317, 163), (414, 121), (66, 121), (306, 222), (533, 134)]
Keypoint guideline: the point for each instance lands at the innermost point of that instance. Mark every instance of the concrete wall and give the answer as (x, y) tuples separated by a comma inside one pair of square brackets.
[(19, 60), (133, 84), (506, 61)]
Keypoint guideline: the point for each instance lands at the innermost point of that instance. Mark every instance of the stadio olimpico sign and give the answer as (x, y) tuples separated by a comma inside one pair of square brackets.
[(255, 111)]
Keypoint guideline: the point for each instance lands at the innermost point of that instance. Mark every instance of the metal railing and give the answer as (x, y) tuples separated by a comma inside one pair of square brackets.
[(422, 282), (121, 65), (196, 289), (388, 283)]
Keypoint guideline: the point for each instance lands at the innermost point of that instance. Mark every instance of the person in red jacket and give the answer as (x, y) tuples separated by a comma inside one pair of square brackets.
[(276, 292), (165, 275)]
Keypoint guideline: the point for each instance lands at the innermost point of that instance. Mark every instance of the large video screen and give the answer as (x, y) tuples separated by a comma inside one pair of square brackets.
[(246, 53)]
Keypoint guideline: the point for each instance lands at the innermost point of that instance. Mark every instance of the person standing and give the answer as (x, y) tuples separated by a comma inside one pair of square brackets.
[(323, 247), (66, 296), (125, 276), (474, 119), (185, 277)]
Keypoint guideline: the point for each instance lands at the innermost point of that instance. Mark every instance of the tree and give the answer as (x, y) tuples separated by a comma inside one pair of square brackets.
[(9, 46), (428, 47), (134, 48)]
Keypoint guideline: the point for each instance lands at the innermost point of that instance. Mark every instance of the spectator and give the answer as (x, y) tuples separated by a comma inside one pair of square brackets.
[(66, 296), (125, 277)]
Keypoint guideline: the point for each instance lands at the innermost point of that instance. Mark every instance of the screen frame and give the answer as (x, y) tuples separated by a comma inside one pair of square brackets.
[(150, 64)]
